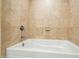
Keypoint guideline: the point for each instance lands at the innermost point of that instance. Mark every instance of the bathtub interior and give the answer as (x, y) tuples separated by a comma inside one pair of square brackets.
[(62, 46), (49, 43)]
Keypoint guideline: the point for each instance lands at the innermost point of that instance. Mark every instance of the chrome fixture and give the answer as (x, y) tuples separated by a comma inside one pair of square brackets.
[(22, 29), (23, 44), (47, 29)]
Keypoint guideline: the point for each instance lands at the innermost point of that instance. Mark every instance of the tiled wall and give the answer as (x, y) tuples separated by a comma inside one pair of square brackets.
[(74, 33), (14, 13), (53, 15), (0, 28)]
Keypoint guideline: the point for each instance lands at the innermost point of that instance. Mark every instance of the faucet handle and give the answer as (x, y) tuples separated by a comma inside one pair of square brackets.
[(22, 28), (47, 29)]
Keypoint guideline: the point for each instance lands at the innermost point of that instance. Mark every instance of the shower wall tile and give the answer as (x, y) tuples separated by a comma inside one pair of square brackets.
[(54, 14), (75, 13), (62, 33), (75, 21), (0, 28), (14, 13), (54, 33), (75, 35)]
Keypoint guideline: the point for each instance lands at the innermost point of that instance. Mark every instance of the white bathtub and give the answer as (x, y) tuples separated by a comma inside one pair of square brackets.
[(42, 48)]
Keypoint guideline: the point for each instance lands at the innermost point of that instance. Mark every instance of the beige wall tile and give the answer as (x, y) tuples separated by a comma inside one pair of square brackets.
[(14, 13), (75, 35), (0, 28), (49, 13), (75, 21)]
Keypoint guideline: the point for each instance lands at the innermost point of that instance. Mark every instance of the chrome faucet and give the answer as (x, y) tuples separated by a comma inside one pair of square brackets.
[(22, 29), (47, 29)]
